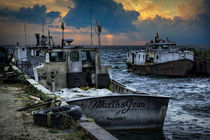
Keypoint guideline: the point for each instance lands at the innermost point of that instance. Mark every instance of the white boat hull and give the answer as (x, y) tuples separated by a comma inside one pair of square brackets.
[(129, 111)]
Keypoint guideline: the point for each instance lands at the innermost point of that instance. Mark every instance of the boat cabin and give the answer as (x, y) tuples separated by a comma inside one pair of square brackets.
[(71, 67), (160, 47)]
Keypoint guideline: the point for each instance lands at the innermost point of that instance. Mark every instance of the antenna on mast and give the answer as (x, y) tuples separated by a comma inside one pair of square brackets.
[(98, 32), (91, 27)]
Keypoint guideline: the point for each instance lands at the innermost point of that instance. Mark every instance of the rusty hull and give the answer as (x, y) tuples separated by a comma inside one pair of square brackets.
[(178, 68)]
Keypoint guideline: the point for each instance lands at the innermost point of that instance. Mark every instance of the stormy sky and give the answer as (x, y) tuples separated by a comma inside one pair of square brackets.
[(124, 22)]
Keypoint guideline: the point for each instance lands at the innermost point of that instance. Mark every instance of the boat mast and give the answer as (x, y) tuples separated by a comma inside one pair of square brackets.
[(91, 27), (25, 34), (98, 32), (62, 27), (49, 37), (43, 28)]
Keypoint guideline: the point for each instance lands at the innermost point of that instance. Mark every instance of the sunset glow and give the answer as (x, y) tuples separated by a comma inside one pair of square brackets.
[(109, 36), (136, 21)]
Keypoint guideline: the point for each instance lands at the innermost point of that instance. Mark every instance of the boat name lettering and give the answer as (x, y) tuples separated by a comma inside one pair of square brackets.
[(125, 105)]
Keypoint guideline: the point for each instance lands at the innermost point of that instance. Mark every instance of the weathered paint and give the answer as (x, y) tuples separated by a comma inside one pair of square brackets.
[(21, 53), (139, 57), (175, 68), (54, 75), (161, 57), (53, 72), (129, 111)]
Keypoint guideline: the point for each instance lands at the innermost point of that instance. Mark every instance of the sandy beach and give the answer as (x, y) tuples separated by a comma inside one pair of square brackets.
[(19, 125)]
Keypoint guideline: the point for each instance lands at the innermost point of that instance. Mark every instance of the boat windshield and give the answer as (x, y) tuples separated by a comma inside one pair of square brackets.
[(92, 55), (165, 47), (155, 47), (57, 57), (88, 56), (84, 56), (74, 56)]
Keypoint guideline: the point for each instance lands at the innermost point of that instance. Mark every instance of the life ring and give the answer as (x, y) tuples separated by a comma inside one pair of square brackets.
[(57, 116)]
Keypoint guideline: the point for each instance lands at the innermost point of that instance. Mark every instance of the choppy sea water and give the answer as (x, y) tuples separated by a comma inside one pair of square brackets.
[(188, 114)]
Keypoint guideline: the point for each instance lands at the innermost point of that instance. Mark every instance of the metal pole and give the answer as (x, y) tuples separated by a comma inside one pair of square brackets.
[(49, 43), (62, 27), (25, 34), (91, 35)]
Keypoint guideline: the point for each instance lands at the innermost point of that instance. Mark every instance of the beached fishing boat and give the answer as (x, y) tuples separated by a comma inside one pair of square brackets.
[(126, 108), (76, 66), (161, 57), (125, 111)]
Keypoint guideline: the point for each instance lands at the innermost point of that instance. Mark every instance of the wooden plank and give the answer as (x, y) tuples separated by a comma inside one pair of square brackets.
[(96, 131)]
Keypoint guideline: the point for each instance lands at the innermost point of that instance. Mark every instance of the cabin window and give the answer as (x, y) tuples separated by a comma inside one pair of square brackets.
[(32, 52), (154, 47), (149, 59), (37, 53), (92, 55), (74, 56), (157, 57), (165, 47), (84, 56), (88, 56), (41, 53), (57, 57)]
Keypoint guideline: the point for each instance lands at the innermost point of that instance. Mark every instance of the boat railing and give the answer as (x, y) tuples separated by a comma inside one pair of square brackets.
[(38, 64), (122, 89)]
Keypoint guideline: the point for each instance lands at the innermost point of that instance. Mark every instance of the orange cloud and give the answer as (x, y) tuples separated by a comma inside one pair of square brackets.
[(148, 9), (190, 9), (109, 36), (122, 39)]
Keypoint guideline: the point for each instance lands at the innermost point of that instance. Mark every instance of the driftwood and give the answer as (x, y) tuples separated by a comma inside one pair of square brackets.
[(48, 102)]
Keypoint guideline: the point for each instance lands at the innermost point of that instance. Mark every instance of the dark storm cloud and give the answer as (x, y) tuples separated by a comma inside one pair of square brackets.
[(37, 14), (191, 31), (207, 6), (195, 31), (111, 14)]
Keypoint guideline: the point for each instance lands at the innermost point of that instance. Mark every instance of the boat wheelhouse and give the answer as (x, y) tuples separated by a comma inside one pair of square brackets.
[(71, 67)]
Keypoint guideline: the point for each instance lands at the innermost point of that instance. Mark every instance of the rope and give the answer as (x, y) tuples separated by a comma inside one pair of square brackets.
[(53, 103), (49, 118), (67, 120)]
